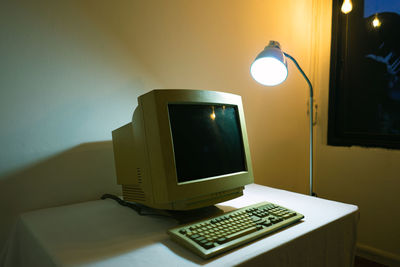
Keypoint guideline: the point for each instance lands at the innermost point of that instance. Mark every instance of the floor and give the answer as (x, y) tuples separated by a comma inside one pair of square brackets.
[(361, 262)]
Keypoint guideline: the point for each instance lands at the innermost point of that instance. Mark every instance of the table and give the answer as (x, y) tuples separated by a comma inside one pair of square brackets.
[(103, 233)]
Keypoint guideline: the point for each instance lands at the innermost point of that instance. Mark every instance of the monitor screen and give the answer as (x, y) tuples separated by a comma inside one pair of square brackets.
[(207, 140)]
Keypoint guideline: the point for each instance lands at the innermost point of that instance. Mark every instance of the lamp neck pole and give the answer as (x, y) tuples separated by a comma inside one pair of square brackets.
[(311, 119), (302, 72)]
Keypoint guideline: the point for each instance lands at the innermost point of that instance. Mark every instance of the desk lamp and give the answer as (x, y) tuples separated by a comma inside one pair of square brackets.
[(270, 68)]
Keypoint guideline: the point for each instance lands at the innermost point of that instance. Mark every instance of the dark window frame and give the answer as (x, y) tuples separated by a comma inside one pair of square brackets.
[(339, 91)]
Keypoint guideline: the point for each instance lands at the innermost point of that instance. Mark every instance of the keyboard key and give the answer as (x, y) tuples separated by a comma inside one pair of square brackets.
[(267, 223), (182, 231), (241, 233), (222, 240), (208, 245), (198, 239)]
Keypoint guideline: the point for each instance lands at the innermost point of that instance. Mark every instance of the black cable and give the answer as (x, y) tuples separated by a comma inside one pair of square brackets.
[(133, 206)]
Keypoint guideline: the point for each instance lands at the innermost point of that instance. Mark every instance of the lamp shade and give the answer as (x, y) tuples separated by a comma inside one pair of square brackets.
[(270, 66)]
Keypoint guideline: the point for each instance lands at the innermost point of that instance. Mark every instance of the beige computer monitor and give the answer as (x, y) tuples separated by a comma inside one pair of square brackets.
[(144, 152)]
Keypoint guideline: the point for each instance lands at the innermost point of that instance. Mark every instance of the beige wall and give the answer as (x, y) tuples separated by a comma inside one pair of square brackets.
[(71, 72), (367, 177), (65, 83), (210, 45)]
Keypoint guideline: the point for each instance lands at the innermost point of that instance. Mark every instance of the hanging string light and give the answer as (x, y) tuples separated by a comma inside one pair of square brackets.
[(376, 22), (347, 6)]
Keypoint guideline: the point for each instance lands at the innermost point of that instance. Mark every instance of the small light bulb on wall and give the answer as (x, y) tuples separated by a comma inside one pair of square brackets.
[(212, 115), (347, 6), (376, 22)]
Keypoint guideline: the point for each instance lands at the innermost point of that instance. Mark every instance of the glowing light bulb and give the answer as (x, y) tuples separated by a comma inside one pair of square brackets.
[(268, 71), (347, 6), (212, 115), (376, 22)]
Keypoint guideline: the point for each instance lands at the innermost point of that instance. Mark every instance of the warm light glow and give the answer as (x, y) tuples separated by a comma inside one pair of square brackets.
[(212, 115), (347, 6), (376, 22), (268, 71)]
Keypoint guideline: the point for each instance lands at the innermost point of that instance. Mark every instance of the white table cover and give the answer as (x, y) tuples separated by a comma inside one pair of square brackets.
[(103, 233)]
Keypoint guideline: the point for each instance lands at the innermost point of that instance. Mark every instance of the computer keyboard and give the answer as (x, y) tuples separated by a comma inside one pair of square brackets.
[(216, 235)]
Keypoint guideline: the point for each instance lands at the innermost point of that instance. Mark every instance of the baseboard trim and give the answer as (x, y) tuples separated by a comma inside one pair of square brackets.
[(377, 255)]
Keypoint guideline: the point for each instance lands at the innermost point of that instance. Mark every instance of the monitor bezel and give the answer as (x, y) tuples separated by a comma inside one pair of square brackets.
[(165, 176)]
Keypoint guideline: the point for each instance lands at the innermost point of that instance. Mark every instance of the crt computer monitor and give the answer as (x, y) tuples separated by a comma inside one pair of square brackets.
[(184, 149)]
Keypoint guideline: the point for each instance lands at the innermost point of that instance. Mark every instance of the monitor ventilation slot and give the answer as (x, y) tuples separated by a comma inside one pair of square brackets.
[(133, 193), (139, 175)]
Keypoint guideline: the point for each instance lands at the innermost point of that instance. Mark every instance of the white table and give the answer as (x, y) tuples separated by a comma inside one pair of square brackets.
[(103, 233)]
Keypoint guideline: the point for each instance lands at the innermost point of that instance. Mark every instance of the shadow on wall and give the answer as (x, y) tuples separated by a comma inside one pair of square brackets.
[(82, 173)]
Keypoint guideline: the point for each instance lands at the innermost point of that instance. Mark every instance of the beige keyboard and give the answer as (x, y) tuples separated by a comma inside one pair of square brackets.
[(216, 235)]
